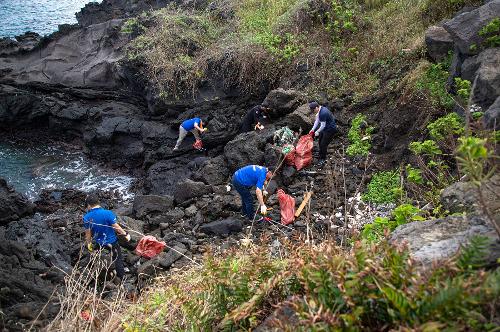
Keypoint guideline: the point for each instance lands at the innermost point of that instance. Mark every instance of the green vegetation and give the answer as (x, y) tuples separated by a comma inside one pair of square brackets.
[(359, 137), (401, 215), (384, 187), (491, 33), (434, 82), (446, 126), (371, 287), (132, 25), (436, 10)]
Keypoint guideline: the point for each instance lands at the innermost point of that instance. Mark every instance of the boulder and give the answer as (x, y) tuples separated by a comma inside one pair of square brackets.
[(163, 176), (172, 255), (213, 171), (301, 118), (187, 189), (460, 197), (283, 102), (171, 217), (161, 261), (439, 43), (13, 205), (486, 87), (464, 28), (440, 239), (222, 227), (145, 205), (491, 118), (245, 149)]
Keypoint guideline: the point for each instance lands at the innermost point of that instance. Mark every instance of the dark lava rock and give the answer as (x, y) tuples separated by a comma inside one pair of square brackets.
[(301, 118), (491, 118), (145, 205), (213, 171), (439, 43), (487, 82), (163, 176), (171, 217), (13, 205), (246, 149), (222, 227), (188, 189), (464, 29), (283, 102)]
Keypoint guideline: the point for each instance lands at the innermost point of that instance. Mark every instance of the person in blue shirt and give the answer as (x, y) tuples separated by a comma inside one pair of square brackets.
[(324, 128), (243, 180), (101, 228), (194, 125)]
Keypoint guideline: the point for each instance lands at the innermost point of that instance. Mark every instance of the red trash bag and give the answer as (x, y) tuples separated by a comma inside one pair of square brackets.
[(290, 158), (287, 207), (303, 152), (198, 144), (149, 247)]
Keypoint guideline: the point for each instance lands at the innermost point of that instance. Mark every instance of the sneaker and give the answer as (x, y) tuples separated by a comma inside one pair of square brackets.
[(175, 149)]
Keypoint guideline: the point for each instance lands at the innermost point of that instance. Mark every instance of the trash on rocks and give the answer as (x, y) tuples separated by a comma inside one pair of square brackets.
[(287, 207), (149, 247)]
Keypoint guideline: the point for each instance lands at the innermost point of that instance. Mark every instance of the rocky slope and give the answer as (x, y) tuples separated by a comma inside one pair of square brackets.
[(77, 82)]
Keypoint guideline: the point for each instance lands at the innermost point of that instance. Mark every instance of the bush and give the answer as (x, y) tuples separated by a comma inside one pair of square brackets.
[(401, 215), (384, 187), (434, 82), (446, 126), (359, 137), (371, 287), (491, 33)]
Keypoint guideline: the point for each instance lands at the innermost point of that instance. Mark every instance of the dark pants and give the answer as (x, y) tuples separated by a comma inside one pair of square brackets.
[(324, 139), (246, 199), (116, 255)]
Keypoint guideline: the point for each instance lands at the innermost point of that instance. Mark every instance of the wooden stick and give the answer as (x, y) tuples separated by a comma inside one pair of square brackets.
[(307, 197)]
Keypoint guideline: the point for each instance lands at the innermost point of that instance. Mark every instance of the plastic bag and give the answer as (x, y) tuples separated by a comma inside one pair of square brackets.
[(198, 144), (303, 152), (290, 157), (149, 247), (287, 207)]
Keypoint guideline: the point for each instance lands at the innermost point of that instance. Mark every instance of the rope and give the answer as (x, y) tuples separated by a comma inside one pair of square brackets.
[(143, 235)]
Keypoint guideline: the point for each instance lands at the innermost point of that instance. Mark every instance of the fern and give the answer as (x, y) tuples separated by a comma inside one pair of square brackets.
[(473, 256)]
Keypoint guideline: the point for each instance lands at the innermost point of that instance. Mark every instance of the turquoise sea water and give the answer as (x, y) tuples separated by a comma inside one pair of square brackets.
[(29, 169), (41, 16)]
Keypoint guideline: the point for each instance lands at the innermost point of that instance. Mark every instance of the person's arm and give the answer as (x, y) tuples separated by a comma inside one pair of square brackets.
[(199, 128), (118, 229), (321, 127), (316, 123), (260, 196)]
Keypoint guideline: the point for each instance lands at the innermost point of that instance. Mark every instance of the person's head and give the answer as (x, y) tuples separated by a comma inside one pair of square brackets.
[(265, 107), (314, 106), (270, 172), (91, 200)]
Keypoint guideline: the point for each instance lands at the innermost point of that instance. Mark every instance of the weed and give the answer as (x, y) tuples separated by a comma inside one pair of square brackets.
[(414, 175), (491, 33), (133, 26), (446, 126), (434, 82), (427, 148), (401, 215), (384, 187), (359, 137)]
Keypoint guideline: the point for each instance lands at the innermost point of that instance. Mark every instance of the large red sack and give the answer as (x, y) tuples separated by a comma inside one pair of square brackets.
[(287, 207), (149, 247), (303, 152)]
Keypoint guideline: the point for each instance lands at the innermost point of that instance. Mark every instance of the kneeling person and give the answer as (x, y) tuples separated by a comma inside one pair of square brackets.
[(101, 228), (243, 180), (194, 125)]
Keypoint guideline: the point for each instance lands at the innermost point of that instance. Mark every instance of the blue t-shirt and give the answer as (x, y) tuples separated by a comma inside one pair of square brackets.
[(100, 222), (326, 116), (189, 124), (251, 175)]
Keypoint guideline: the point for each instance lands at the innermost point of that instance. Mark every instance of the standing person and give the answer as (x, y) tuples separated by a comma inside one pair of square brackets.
[(254, 118), (327, 128), (194, 125), (243, 180), (101, 228)]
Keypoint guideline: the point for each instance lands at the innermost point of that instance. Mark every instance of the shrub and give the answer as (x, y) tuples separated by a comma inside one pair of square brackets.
[(434, 82), (491, 33), (384, 187), (371, 287), (359, 137), (414, 175), (449, 125), (427, 148), (401, 215)]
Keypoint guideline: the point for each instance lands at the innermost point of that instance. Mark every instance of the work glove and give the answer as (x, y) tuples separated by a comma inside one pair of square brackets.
[(90, 247), (263, 210), (316, 134), (127, 237), (265, 193)]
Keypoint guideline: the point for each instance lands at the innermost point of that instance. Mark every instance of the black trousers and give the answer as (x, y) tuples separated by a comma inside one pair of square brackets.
[(116, 255), (325, 137)]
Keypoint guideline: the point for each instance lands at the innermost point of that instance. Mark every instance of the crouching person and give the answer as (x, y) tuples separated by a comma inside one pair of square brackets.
[(101, 229), (194, 126), (245, 179)]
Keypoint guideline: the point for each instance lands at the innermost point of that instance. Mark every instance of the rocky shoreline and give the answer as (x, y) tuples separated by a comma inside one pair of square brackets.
[(78, 83)]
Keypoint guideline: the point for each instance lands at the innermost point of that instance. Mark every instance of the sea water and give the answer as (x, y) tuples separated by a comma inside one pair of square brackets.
[(41, 16), (51, 166)]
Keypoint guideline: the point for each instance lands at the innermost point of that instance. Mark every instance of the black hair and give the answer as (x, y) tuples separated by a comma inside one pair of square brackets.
[(92, 199)]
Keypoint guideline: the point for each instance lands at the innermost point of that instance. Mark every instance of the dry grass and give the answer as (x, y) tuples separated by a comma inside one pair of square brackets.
[(84, 300)]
